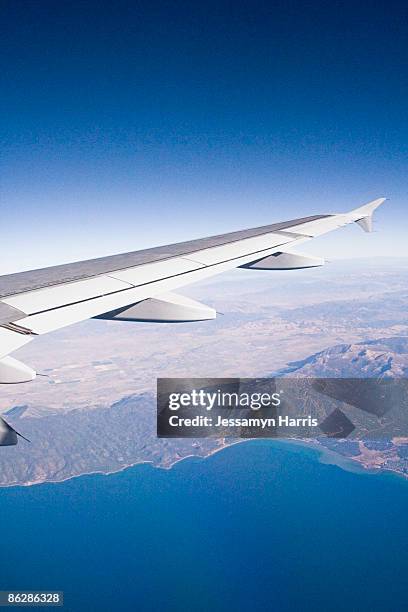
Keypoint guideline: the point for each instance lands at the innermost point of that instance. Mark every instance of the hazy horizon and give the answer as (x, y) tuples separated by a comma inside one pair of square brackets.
[(138, 124)]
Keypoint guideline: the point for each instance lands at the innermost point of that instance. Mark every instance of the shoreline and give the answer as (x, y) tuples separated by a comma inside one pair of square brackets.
[(325, 456)]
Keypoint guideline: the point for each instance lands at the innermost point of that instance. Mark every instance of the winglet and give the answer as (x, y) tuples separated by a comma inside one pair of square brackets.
[(363, 215)]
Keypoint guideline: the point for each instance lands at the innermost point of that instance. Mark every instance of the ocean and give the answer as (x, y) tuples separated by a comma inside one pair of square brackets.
[(261, 525)]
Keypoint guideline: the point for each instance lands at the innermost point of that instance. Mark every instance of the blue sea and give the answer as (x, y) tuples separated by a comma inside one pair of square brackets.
[(261, 525)]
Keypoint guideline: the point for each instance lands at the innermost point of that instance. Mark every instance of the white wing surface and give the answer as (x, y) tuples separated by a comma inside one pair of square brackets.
[(139, 286)]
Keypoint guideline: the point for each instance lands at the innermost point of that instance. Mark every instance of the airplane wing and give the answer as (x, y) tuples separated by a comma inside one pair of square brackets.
[(139, 286)]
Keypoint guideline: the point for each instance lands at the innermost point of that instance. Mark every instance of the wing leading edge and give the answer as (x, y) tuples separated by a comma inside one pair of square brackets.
[(139, 286)]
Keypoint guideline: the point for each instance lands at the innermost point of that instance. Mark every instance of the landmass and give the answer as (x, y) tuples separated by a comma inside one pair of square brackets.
[(94, 408)]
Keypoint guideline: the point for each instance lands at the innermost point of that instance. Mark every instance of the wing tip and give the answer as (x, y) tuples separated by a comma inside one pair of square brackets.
[(363, 215)]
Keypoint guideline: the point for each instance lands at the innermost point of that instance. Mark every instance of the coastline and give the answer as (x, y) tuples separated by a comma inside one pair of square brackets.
[(325, 456)]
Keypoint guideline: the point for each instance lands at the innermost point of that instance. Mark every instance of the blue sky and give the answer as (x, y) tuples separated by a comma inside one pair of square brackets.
[(132, 124)]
